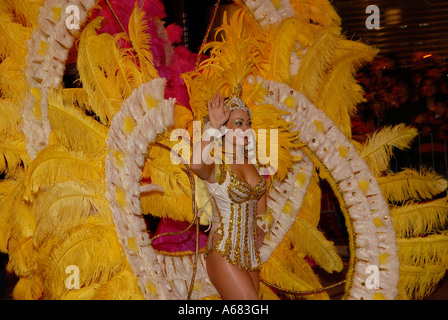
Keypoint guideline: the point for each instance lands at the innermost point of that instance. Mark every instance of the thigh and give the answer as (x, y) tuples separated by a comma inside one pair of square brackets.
[(231, 282), (255, 276)]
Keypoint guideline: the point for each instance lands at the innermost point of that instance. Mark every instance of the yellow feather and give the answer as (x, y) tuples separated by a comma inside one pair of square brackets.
[(13, 154), (92, 246), (175, 201), (287, 270), (23, 221), (107, 82), (86, 293), (203, 203), (317, 11), (28, 288), (183, 118), (25, 11), (78, 97), (267, 117), (57, 164), (122, 286), (339, 93), (317, 61), (13, 38), (289, 31), (419, 282), (311, 205), (11, 196), (10, 118), (412, 184), (22, 256), (266, 293), (419, 251), (378, 149), (12, 81), (73, 128), (65, 205), (418, 219), (231, 61), (141, 43), (313, 243)]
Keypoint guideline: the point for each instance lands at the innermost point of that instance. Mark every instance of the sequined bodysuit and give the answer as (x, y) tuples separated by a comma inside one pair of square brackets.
[(233, 232)]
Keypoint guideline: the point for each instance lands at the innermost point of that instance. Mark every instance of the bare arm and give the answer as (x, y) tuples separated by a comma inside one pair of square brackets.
[(200, 167), (202, 164)]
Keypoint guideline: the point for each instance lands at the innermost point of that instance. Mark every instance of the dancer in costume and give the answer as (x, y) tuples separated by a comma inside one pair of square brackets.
[(238, 193), (74, 160)]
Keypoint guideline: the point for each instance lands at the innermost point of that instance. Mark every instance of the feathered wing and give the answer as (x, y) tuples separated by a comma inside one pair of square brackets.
[(409, 184), (53, 209), (73, 128), (378, 151), (418, 211), (107, 82)]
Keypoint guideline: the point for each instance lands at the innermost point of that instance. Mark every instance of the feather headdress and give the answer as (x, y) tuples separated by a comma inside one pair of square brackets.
[(234, 68)]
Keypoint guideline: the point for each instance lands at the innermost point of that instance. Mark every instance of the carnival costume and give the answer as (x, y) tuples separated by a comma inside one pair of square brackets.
[(83, 165), (235, 218)]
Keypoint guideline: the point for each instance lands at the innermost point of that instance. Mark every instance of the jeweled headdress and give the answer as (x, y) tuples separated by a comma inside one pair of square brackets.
[(235, 102)]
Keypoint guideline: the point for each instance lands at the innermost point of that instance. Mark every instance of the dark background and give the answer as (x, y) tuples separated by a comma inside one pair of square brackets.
[(406, 26)]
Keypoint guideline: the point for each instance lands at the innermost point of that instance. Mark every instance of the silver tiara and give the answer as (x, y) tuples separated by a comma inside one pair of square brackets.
[(235, 103)]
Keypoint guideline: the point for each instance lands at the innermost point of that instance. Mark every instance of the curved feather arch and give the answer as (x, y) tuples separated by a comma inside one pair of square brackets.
[(48, 48), (372, 243), (373, 240)]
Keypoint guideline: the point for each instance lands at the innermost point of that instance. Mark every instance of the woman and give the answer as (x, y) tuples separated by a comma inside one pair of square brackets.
[(238, 196)]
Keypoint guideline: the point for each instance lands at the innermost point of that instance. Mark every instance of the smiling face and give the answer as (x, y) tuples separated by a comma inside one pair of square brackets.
[(238, 123)]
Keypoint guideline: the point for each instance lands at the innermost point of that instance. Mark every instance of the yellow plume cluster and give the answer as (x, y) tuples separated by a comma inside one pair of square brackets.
[(418, 210), (241, 56), (54, 218), (175, 202)]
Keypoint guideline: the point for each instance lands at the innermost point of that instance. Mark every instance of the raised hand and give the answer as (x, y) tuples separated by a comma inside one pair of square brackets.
[(217, 115)]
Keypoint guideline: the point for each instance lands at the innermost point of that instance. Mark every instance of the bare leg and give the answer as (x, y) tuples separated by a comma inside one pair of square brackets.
[(231, 282), (255, 275)]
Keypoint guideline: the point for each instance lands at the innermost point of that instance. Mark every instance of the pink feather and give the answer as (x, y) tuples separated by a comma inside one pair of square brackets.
[(181, 59)]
